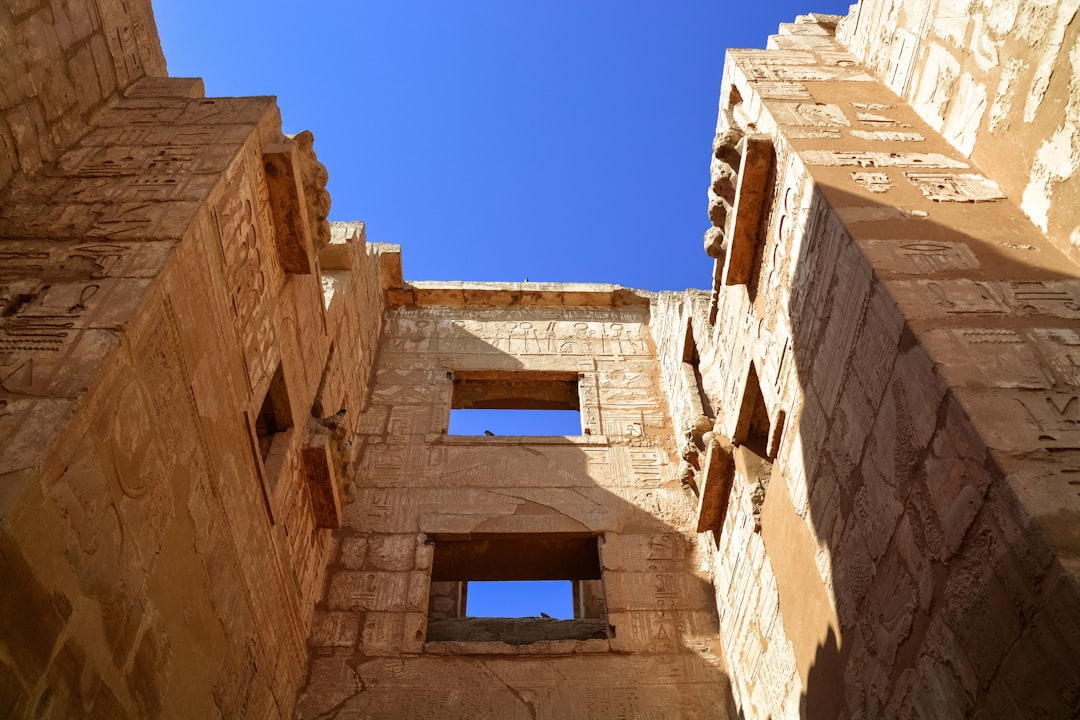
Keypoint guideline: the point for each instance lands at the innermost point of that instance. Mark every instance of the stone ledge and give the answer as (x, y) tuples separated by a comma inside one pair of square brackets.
[(524, 294), (515, 635)]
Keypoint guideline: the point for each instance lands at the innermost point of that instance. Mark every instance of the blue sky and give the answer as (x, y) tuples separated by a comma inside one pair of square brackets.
[(554, 141)]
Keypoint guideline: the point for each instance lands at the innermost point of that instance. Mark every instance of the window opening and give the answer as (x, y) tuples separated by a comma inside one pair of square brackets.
[(515, 422), (692, 370), (275, 415), (515, 404), (516, 589), (754, 444)]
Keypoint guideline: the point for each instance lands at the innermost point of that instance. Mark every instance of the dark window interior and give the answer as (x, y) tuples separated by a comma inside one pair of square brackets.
[(275, 415)]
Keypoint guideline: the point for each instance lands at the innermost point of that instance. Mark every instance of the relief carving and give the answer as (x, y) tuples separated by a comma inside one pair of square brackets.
[(949, 187)]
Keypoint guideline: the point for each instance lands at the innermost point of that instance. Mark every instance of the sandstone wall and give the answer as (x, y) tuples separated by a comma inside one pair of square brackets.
[(420, 488), (60, 62), (999, 80), (163, 347), (908, 334)]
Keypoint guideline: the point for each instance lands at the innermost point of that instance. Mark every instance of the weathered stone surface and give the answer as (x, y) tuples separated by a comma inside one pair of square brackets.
[(514, 631), (716, 475), (227, 485)]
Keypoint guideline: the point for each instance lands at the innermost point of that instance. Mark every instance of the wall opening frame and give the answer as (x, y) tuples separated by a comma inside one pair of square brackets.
[(515, 557)]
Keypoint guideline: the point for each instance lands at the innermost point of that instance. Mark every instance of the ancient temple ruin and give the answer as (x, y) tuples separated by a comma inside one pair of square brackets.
[(844, 481)]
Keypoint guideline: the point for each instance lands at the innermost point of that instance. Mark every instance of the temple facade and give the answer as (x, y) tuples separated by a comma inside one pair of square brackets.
[(844, 481)]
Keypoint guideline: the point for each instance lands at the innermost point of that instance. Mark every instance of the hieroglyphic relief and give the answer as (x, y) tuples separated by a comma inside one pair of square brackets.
[(167, 135), (875, 182), (154, 188), (777, 256), (50, 341), (395, 386), (1056, 298), (782, 90), (935, 298), (115, 161), (809, 114), (627, 384), (876, 120), (139, 220), (636, 466), (766, 69), (955, 297), (1061, 347), (516, 337), (1003, 357), (502, 465), (880, 159), (589, 403), (919, 257), (949, 187), (1019, 420), (77, 261), (888, 135), (252, 273), (795, 131)]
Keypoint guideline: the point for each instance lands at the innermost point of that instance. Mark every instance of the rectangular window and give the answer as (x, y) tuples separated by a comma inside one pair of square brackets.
[(516, 589), (515, 404)]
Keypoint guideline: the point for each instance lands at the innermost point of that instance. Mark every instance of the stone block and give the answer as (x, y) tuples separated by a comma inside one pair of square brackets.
[(363, 590), (750, 203), (288, 208), (322, 483), (330, 628), (716, 478)]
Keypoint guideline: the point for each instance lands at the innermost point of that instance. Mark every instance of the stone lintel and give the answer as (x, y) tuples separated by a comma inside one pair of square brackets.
[(526, 294)]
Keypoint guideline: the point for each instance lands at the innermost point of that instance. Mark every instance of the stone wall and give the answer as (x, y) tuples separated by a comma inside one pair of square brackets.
[(895, 546), (842, 483), (166, 342), (60, 62), (999, 80), (652, 651)]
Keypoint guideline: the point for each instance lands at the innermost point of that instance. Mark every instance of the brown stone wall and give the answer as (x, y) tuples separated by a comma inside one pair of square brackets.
[(900, 319), (161, 561), (419, 487), (60, 62), (999, 80)]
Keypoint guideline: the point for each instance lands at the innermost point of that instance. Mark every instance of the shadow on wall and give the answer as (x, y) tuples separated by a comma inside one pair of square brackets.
[(417, 485), (946, 598)]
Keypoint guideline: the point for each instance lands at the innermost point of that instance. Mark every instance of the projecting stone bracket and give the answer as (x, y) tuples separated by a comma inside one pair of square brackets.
[(717, 475), (751, 197), (288, 208), (319, 466)]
